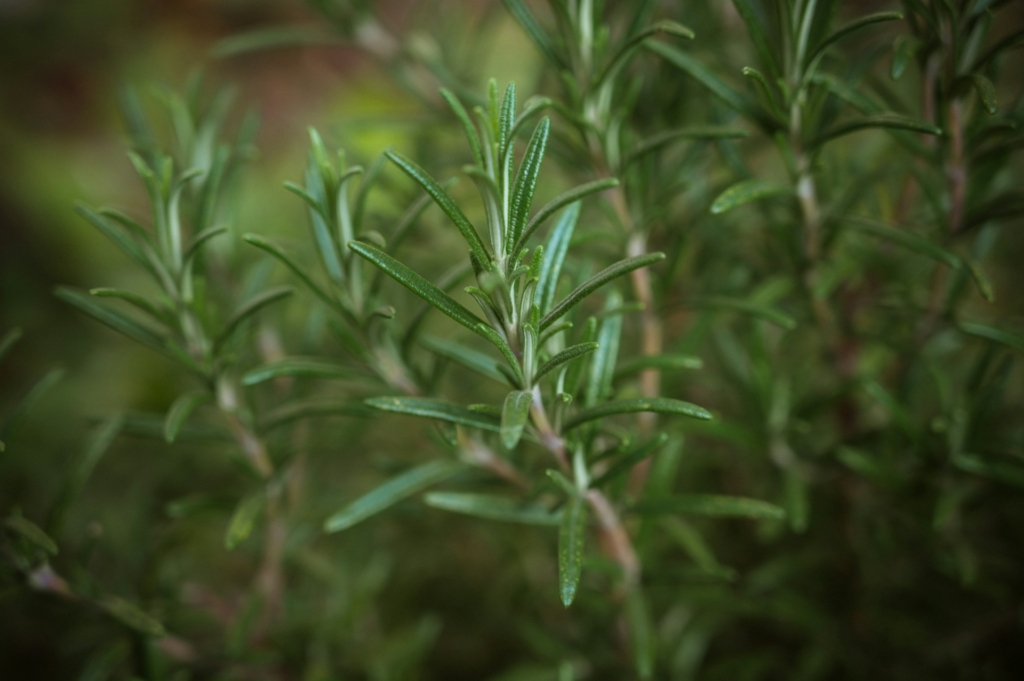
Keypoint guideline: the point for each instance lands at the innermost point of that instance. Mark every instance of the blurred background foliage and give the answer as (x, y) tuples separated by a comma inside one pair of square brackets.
[(899, 560)]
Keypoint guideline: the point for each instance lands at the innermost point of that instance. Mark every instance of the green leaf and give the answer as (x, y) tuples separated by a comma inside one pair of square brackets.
[(514, 415), (1007, 338), (526, 181), (661, 405), (132, 616), (180, 410), (32, 532), (493, 507), (616, 61), (638, 619), (9, 339), (555, 249), (906, 239), (666, 362), (903, 50), (757, 24), (472, 359), (435, 409), (746, 191), (849, 28), (602, 366), (445, 201), (563, 482), (467, 125), (418, 285), (695, 132), (313, 407), (243, 520), (567, 355), (274, 37), (716, 505), (96, 446), (38, 391), (564, 199), (884, 120), (597, 281), (307, 367), (161, 316), (627, 461), (533, 29), (749, 307), (986, 91), (506, 351), (707, 77), (115, 234), (113, 319), (250, 308), (401, 487), (300, 272), (571, 536)]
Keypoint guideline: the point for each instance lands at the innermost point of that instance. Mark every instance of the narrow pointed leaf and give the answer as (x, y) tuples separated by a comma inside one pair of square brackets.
[(571, 537), (602, 365), (418, 285), (472, 359), (667, 362), (305, 367), (493, 507), (849, 28), (264, 245), (9, 339), (567, 355), (115, 234), (555, 249), (514, 415), (597, 281), (243, 520), (32, 532), (435, 409), (533, 29), (313, 407), (113, 319), (696, 132), (161, 316), (250, 308), (526, 181), (746, 191), (180, 410), (661, 405), (716, 505), (627, 461), (403, 486), (617, 60), (992, 333), (749, 307), (559, 202), (132, 616), (38, 391), (96, 446), (445, 201), (510, 358), (907, 239), (986, 91), (885, 120), (467, 125)]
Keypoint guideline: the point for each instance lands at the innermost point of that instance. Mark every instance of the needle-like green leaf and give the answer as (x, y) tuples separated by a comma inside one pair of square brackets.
[(540, 38), (717, 505), (274, 250), (986, 91), (661, 405), (555, 249), (526, 181), (749, 307), (180, 410), (1008, 338), (472, 359), (250, 308), (132, 616), (667, 362), (113, 319), (884, 120), (597, 281), (403, 486), (567, 355), (436, 409), (418, 285), (849, 28), (313, 407), (9, 339), (514, 415), (493, 507), (243, 520), (696, 132), (634, 41), (571, 537), (625, 463), (559, 202), (746, 191), (306, 367), (29, 530), (445, 201), (467, 125)]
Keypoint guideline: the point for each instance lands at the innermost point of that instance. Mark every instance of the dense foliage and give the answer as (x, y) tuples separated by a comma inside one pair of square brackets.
[(725, 381)]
